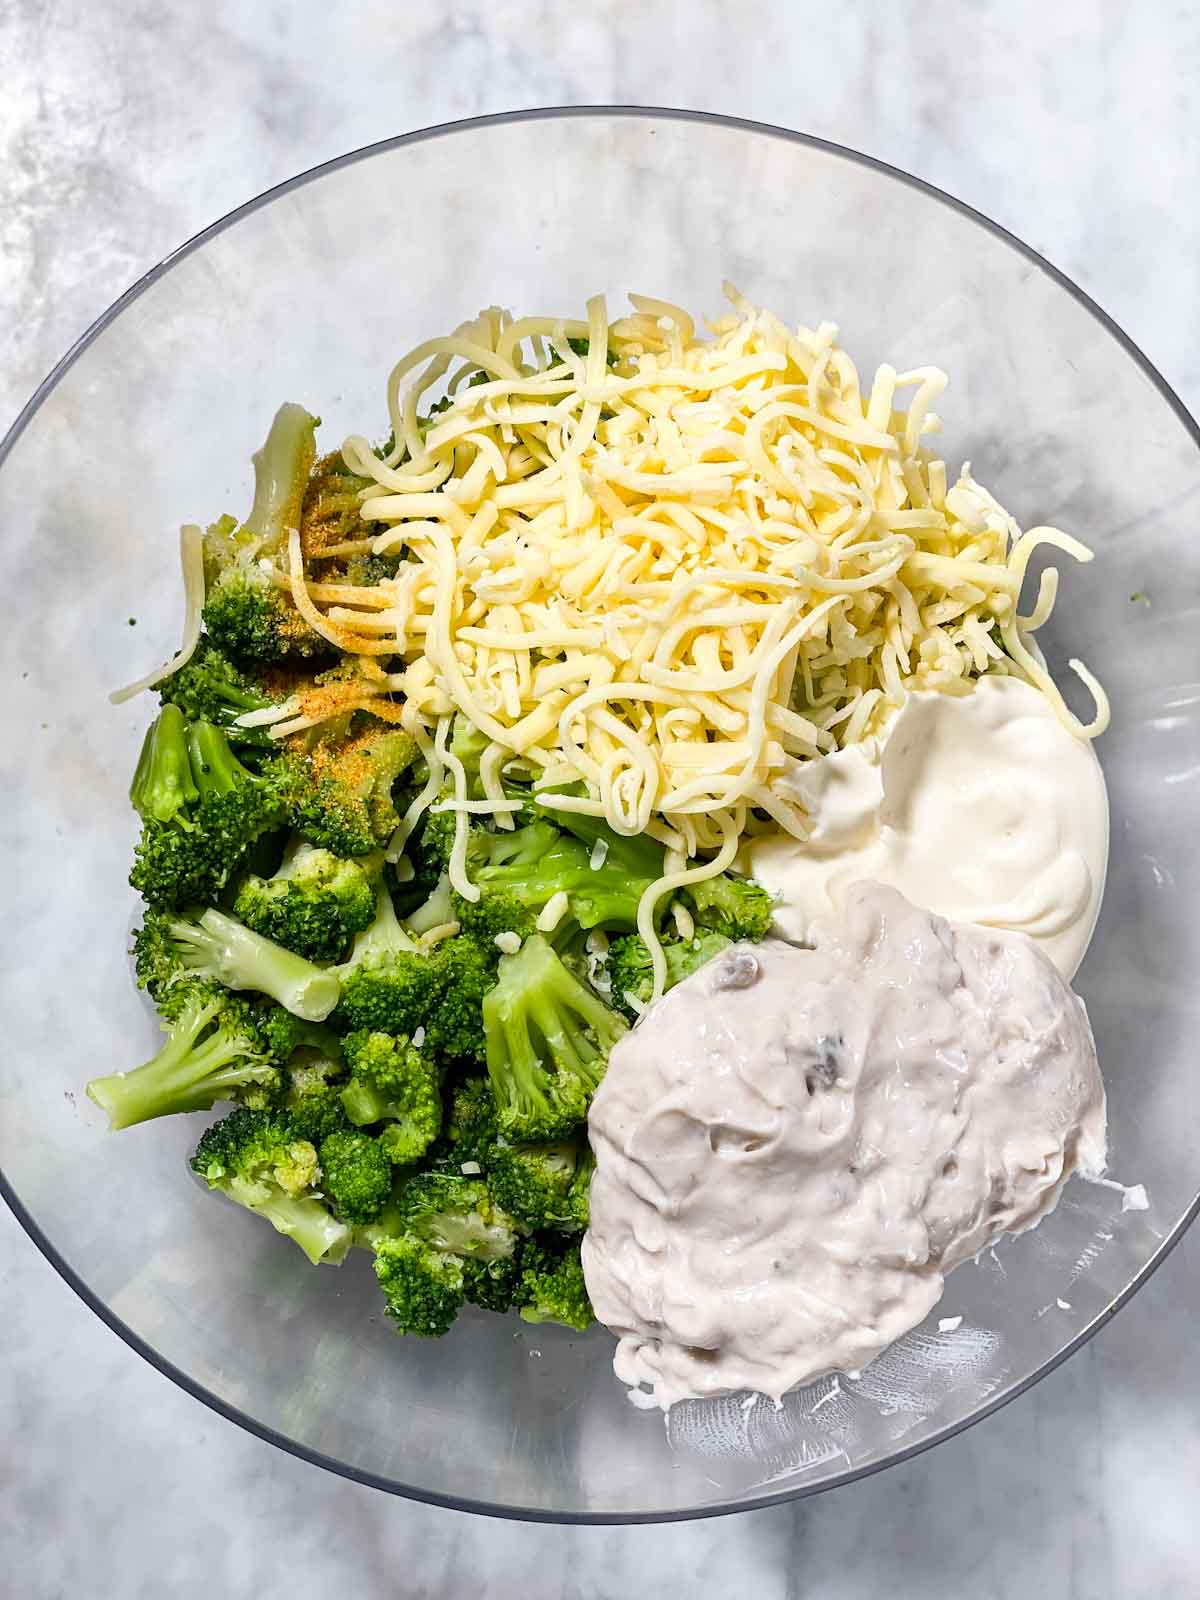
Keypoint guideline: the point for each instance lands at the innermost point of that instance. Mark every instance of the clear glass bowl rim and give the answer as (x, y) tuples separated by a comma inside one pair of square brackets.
[(323, 169)]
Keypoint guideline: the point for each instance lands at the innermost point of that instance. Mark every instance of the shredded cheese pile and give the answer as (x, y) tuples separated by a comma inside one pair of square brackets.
[(672, 567)]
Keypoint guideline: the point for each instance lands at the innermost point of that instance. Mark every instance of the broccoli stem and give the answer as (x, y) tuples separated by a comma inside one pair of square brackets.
[(281, 470), (215, 768), (364, 1104), (220, 948), (184, 1075), (301, 1218), (162, 781)]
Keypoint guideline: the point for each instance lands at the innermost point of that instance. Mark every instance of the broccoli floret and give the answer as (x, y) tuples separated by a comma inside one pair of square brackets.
[(219, 948), (579, 1199), (494, 1285), (340, 788), (286, 1033), (313, 904), (548, 1039), (313, 1098), (356, 1173), (392, 985), (471, 1129), (530, 865), (631, 973), (364, 572), (552, 1286), (389, 985), (331, 513), (495, 912), (434, 843), (214, 1051), (422, 1287), (245, 612), (458, 1215), (210, 688), (163, 784), (736, 907), (392, 1081), (248, 615), (466, 970), (201, 810), (254, 1158), (533, 1183)]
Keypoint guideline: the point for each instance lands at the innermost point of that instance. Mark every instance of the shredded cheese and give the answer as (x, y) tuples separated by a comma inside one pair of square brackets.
[(553, 912), (668, 570), (191, 559)]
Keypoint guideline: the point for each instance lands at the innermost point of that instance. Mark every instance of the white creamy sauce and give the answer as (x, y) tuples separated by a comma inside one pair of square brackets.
[(983, 807), (794, 1146)]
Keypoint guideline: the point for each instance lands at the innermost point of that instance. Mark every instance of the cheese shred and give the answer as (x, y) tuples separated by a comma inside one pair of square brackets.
[(660, 570)]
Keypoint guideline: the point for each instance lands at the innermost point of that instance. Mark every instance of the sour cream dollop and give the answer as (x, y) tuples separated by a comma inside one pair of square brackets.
[(982, 807)]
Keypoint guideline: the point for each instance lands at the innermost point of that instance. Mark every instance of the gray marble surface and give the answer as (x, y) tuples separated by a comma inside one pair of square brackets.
[(124, 128)]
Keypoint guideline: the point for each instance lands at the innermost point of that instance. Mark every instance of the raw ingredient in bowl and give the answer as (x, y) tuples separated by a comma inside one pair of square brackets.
[(981, 807), (795, 1146), (466, 731)]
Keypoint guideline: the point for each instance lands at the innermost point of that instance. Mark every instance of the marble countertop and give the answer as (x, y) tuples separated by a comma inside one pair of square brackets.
[(124, 129)]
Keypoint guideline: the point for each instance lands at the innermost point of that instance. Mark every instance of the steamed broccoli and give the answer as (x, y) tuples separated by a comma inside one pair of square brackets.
[(210, 688), (552, 1286), (736, 907), (214, 1051), (390, 984), (422, 1287), (313, 1097), (392, 1081), (253, 1158), (445, 1240), (520, 871), (631, 974), (245, 611), (548, 1039), (471, 1129), (533, 1183), (494, 1285), (466, 971), (339, 787), (458, 1215), (331, 511), (313, 904), (356, 1174), (219, 948), (202, 811)]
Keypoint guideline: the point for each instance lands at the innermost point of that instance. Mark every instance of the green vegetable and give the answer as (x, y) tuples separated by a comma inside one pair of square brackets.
[(253, 1158), (339, 788), (210, 688), (534, 1183), (219, 948), (422, 1287), (552, 1287), (356, 1173), (313, 904), (631, 974), (548, 1039), (735, 907), (214, 1051), (245, 612), (201, 809), (393, 1082)]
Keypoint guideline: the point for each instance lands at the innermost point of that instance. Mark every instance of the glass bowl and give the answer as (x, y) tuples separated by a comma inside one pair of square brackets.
[(309, 293)]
